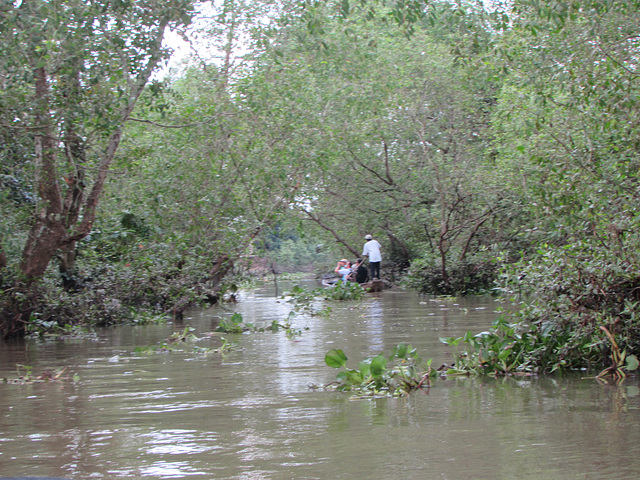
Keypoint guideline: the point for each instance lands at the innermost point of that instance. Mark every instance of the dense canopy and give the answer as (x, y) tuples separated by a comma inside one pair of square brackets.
[(489, 150)]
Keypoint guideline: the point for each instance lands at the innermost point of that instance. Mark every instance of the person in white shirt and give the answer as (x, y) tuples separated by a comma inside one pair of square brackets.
[(343, 269), (371, 250)]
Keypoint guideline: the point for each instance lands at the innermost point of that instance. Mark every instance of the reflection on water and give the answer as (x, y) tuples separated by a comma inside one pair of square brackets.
[(251, 415)]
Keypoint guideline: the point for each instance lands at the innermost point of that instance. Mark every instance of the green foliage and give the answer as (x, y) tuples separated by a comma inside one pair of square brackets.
[(183, 336), (504, 349), (425, 275), (573, 302), (53, 329), (303, 299), (234, 324), (74, 74), (621, 363), (479, 145), (397, 375), (553, 179), (575, 291), (184, 340), (306, 300), (335, 358), (287, 326), (291, 248), (146, 317), (343, 291), (402, 152)]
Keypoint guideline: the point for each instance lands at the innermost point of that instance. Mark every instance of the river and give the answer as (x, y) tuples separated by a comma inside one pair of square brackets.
[(122, 410)]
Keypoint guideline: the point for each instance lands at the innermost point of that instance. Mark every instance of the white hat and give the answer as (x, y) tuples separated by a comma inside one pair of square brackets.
[(368, 237)]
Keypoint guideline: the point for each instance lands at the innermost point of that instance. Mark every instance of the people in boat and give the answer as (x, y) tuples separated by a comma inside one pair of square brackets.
[(359, 273), (343, 269), (372, 250)]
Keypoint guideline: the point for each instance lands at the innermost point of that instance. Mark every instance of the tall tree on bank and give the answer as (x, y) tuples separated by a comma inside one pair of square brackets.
[(71, 75)]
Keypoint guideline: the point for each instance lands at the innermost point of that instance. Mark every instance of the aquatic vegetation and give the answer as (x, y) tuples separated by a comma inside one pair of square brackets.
[(304, 299), (234, 324), (343, 291), (225, 348), (160, 348), (177, 341), (512, 348), (396, 375), (287, 326), (621, 362), (500, 350), (183, 336), (168, 345), (25, 375), (145, 317), (52, 329)]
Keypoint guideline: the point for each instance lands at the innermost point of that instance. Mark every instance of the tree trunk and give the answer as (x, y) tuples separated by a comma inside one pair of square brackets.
[(3, 261), (47, 233), (61, 220)]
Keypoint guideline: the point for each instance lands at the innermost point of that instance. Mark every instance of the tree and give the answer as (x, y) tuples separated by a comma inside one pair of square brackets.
[(396, 137), (73, 77), (210, 176), (209, 184)]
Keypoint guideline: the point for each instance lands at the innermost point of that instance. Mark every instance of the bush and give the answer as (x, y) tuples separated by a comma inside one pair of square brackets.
[(463, 278), (583, 312)]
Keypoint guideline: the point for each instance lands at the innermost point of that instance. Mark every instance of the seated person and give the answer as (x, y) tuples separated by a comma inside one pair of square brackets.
[(343, 269), (359, 272)]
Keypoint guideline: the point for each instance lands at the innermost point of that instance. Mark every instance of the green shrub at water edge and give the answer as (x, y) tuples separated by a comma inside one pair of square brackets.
[(516, 348)]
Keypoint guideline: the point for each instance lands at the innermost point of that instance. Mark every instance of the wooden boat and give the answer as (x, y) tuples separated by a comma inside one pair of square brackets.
[(329, 280), (376, 285)]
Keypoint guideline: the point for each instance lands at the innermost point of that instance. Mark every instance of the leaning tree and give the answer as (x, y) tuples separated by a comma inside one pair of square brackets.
[(70, 75)]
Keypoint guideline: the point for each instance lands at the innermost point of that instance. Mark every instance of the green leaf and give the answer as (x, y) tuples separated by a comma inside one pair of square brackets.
[(504, 353), (365, 368), (632, 363), (451, 341), (378, 365), (400, 351), (335, 358), (354, 377)]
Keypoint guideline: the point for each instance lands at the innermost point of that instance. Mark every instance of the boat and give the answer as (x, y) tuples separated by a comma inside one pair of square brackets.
[(375, 285)]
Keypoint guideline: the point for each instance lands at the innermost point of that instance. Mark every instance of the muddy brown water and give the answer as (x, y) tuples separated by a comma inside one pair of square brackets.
[(250, 414)]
